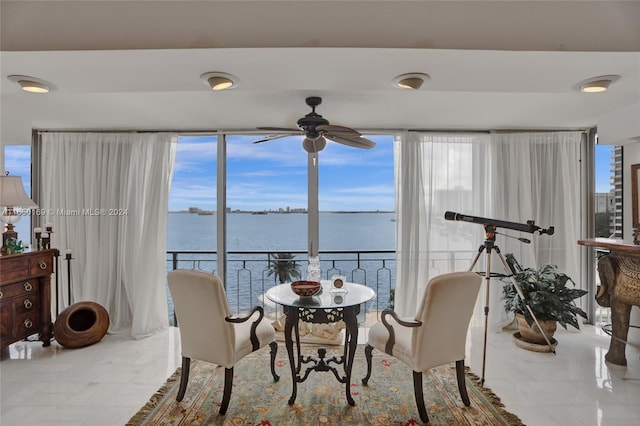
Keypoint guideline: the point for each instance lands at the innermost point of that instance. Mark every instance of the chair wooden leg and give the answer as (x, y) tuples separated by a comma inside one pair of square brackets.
[(462, 384), (274, 352), (184, 378), (367, 353), (226, 396), (417, 391)]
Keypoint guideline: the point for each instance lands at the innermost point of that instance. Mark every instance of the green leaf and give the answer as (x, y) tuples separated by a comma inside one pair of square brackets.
[(545, 291)]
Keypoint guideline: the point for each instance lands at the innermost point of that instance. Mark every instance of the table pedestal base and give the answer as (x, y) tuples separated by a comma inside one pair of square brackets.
[(322, 364)]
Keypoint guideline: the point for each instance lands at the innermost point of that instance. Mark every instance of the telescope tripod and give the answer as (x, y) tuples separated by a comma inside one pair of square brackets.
[(489, 246)]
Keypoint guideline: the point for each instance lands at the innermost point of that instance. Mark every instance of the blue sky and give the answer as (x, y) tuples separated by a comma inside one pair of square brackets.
[(603, 167), (273, 174)]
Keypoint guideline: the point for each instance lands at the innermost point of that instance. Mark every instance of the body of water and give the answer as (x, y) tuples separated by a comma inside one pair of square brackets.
[(283, 231), (247, 274)]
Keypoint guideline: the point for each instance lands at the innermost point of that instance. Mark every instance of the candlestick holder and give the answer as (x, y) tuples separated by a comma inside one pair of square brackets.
[(68, 258), (46, 241), (38, 238)]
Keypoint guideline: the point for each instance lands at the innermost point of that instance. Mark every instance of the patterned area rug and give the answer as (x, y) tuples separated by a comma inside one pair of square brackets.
[(257, 400)]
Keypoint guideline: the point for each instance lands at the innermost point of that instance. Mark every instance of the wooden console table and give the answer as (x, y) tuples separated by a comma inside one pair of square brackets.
[(619, 289), (25, 296)]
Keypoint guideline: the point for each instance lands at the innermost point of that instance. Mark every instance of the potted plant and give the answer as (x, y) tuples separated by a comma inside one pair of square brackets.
[(547, 294), (283, 266)]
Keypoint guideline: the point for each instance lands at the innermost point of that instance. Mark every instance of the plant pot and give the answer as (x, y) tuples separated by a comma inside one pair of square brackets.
[(531, 334), (81, 324)]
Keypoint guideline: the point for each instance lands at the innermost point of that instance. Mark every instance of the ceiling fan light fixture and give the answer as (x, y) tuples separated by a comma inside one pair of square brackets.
[(31, 84), (219, 81), (314, 145), (411, 81), (597, 84)]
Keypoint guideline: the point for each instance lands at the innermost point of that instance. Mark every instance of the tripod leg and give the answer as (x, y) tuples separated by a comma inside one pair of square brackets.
[(521, 294), (487, 283), (475, 260), (486, 303)]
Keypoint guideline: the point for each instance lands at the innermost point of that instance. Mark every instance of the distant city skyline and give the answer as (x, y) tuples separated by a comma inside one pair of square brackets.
[(273, 174)]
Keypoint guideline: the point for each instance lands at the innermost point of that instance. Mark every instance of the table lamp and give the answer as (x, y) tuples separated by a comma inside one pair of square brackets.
[(13, 199)]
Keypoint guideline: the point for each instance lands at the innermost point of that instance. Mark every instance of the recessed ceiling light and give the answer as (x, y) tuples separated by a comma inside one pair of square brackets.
[(31, 84), (410, 81), (219, 80), (597, 84)]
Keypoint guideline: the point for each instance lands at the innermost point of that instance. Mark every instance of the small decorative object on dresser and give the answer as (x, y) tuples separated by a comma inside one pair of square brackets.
[(25, 296)]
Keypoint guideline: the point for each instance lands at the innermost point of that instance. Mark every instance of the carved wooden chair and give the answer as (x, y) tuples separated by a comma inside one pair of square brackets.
[(436, 336), (209, 333)]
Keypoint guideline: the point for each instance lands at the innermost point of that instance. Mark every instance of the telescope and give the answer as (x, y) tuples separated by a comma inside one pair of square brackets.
[(529, 227)]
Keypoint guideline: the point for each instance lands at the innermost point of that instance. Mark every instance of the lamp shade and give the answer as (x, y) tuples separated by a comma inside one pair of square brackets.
[(12, 193)]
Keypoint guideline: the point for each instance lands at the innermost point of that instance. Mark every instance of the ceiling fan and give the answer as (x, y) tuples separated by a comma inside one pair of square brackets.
[(317, 130)]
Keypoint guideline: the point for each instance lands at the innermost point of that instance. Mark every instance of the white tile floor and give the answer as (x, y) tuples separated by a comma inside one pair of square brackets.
[(105, 384)]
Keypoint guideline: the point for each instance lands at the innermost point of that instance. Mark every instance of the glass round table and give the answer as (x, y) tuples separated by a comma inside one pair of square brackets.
[(331, 305)]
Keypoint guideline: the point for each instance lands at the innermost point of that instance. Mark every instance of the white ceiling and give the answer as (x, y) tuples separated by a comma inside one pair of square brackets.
[(137, 65)]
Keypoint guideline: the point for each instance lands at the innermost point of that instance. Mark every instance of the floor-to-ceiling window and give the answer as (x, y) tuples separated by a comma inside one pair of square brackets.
[(266, 210), (17, 162), (192, 200), (608, 206)]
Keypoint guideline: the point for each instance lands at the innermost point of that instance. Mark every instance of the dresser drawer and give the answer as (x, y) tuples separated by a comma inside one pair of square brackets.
[(41, 265), (25, 304), (26, 324), (25, 293), (14, 269), (6, 323), (18, 289), (20, 318), (12, 263)]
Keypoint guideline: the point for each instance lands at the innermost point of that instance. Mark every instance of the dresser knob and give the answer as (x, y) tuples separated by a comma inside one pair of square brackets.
[(28, 304), (28, 286), (28, 323), (0, 295), (42, 264)]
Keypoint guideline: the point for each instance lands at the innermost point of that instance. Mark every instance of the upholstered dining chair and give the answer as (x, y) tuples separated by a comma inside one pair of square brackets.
[(436, 336), (209, 333)]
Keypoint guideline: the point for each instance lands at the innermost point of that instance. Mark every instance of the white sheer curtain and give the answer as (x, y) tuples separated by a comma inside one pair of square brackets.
[(537, 176), (435, 172), (513, 177), (106, 195)]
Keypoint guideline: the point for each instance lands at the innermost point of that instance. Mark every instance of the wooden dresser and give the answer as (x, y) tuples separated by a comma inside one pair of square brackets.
[(25, 296)]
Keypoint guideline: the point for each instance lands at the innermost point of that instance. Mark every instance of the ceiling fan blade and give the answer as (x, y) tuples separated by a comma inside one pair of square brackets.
[(356, 142), (280, 129), (330, 128), (270, 138)]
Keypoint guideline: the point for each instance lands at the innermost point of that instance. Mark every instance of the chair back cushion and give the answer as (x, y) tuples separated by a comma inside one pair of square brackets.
[(445, 312), (201, 307)]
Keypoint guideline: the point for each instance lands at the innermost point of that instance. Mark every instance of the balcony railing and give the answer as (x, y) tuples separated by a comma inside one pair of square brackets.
[(248, 278)]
